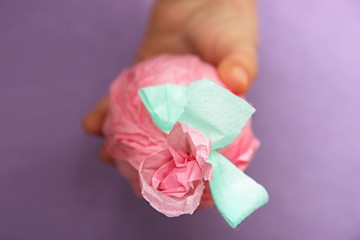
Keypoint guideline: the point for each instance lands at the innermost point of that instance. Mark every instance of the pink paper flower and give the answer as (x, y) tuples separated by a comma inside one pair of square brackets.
[(130, 134), (172, 179)]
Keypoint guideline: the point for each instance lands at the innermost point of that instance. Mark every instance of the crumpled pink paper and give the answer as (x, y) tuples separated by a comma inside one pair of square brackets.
[(172, 180), (130, 134)]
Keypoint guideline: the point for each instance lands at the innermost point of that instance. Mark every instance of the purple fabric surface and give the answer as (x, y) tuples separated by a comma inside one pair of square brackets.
[(58, 57)]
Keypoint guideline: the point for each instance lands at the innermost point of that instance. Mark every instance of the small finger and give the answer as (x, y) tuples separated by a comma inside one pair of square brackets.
[(93, 121), (105, 155)]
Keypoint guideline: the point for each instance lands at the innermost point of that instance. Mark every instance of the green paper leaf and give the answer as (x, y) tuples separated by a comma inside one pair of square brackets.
[(215, 111), (204, 105), (165, 104), (235, 194)]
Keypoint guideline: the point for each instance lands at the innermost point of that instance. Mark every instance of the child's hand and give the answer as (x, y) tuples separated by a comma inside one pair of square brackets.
[(222, 32)]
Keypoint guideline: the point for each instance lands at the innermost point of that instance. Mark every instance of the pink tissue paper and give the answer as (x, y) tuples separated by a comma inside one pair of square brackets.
[(155, 163)]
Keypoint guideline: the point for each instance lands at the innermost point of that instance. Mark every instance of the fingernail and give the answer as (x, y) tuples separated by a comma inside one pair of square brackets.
[(239, 78)]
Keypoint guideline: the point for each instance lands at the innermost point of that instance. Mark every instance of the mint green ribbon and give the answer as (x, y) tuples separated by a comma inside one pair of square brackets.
[(221, 116)]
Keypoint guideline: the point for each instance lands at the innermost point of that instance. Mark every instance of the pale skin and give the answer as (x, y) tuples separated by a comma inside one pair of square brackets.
[(221, 32)]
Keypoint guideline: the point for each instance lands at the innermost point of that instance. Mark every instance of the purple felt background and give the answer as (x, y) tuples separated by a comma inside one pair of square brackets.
[(58, 57)]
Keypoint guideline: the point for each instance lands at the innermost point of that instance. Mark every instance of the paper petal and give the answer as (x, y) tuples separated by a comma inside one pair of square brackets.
[(235, 194), (165, 104), (182, 137), (216, 112), (168, 205)]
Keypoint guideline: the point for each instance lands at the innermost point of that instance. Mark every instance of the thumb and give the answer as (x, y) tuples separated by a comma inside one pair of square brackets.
[(225, 33), (238, 68)]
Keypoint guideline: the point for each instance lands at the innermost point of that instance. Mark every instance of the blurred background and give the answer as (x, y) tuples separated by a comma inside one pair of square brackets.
[(57, 58)]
